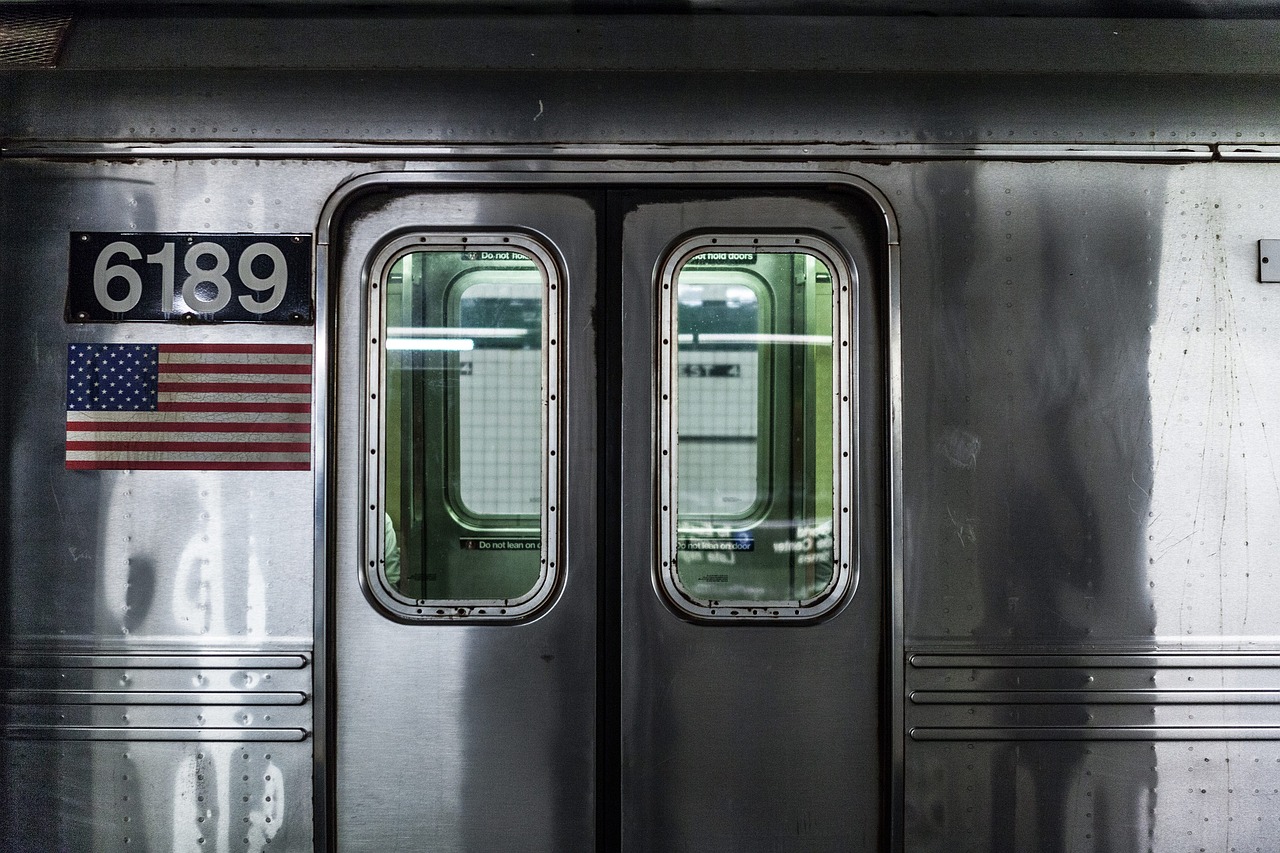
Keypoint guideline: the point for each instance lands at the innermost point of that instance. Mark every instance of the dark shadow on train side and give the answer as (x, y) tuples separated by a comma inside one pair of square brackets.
[(10, 387), (1041, 477)]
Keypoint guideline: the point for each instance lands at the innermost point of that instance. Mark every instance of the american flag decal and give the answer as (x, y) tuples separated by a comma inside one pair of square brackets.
[(193, 407)]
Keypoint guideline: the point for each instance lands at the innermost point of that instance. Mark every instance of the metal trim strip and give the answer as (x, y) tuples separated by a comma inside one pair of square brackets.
[(1264, 153), (897, 549), (1030, 151), (1101, 733), (1187, 660), (148, 697), (36, 660), (120, 733), (522, 172), (323, 711), (1096, 697)]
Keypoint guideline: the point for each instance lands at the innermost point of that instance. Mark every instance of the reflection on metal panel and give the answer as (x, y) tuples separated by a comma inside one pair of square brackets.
[(147, 729), (142, 559), (1088, 464), (1089, 477), (1105, 796), (219, 797)]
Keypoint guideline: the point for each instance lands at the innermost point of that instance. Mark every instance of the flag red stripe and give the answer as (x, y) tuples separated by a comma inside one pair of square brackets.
[(184, 426), (233, 407), (235, 387), (288, 349), (229, 367), (194, 446), (124, 464)]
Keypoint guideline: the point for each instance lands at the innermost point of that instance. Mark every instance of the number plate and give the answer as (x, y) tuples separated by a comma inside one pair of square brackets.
[(202, 278)]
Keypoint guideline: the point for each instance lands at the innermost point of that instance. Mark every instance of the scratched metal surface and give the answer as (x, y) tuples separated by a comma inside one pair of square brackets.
[(1091, 407)]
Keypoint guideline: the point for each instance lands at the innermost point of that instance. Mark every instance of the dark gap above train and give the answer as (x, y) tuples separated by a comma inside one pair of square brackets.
[(1215, 9)]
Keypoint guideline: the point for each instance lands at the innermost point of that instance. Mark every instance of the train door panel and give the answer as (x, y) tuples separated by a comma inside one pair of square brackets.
[(463, 586), (607, 572), (751, 716)]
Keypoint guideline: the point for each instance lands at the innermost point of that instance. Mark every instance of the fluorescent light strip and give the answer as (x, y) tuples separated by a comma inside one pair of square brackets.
[(453, 332), (757, 338), (437, 344)]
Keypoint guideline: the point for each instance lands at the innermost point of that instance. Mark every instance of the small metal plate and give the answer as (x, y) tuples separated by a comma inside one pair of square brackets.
[(1269, 260)]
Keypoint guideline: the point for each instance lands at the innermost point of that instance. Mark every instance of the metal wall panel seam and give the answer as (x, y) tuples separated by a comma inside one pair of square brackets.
[(324, 744), (1031, 151), (896, 651)]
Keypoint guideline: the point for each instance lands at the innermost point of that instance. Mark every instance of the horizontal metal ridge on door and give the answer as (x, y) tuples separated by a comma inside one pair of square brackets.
[(1095, 697), (1125, 696), (156, 697), (120, 733), (149, 697), (1107, 733), (46, 660), (1180, 660), (1098, 678)]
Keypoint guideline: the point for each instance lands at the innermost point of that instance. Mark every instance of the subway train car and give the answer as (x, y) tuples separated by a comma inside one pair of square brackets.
[(791, 428)]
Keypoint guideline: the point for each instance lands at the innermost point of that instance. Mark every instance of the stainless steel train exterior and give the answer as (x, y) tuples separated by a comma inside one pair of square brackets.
[(658, 432)]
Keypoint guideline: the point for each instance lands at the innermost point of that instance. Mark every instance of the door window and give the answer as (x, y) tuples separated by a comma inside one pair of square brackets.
[(756, 445), (462, 412)]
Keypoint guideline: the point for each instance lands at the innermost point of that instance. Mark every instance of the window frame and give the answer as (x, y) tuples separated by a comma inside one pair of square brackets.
[(845, 405), (386, 598)]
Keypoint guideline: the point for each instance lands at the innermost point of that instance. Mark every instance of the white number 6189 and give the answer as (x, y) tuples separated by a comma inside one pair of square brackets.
[(206, 291)]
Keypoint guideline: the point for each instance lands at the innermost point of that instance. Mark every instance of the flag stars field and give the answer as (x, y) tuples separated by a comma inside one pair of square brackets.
[(189, 406)]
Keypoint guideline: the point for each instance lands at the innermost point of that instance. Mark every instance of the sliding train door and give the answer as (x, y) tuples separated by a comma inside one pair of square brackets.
[(606, 554), (751, 589), (464, 566)]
